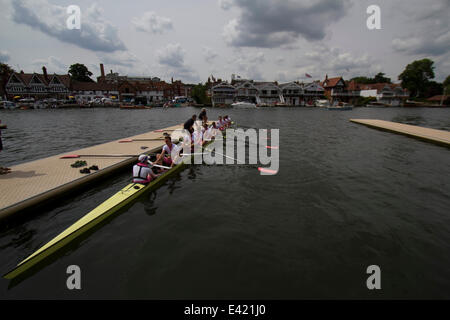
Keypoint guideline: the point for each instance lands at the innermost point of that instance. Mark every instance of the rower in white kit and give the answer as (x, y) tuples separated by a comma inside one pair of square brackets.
[(167, 152), (197, 137), (142, 172)]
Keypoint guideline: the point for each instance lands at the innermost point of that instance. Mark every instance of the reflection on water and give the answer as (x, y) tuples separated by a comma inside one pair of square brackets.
[(346, 197), (412, 120)]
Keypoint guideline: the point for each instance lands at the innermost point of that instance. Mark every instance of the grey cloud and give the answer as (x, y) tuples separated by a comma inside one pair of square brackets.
[(96, 33), (225, 4), (321, 60), (423, 45), (430, 31), (345, 63), (248, 64), (272, 23), (53, 65), (186, 75), (172, 56), (280, 60), (152, 23), (122, 58), (209, 54), (4, 56)]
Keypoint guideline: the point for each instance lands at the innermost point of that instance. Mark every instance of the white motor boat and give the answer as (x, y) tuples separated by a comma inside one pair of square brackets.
[(40, 105), (8, 105), (243, 105), (322, 103)]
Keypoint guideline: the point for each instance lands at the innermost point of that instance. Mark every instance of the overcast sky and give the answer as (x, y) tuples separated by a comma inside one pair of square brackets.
[(259, 39)]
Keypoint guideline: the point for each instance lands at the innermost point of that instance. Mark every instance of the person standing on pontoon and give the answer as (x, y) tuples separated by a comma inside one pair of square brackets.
[(203, 117), (190, 122)]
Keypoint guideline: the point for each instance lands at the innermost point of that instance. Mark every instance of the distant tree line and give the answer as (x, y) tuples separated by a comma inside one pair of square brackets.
[(379, 78)]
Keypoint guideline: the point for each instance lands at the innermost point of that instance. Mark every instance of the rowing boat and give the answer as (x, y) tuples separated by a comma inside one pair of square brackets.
[(93, 218)]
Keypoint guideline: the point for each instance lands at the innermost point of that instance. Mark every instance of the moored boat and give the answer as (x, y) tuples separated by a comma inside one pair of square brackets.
[(341, 107), (376, 104), (322, 103), (134, 107), (8, 105), (244, 105)]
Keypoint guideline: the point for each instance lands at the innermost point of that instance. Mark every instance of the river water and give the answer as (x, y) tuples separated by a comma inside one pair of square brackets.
[(346, 197)]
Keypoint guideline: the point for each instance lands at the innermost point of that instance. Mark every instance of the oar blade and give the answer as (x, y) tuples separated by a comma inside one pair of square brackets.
[(267, 171)]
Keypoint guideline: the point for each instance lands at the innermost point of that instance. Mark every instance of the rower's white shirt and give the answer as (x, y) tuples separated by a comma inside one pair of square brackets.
[(187, 138), (198, 137), (198, 124), (212, 132), (208, 134), (167, 149)]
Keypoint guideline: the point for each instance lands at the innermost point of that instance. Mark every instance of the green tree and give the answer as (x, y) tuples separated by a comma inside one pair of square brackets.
[(362, 80), (447, 85), (447, 82), (432, 89), (416, 76), (198, 93), (5, 72), (380, 78), (80, 72)]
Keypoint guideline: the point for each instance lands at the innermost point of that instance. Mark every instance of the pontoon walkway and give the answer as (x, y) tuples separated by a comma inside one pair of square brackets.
[(38, 181), (427, 134)]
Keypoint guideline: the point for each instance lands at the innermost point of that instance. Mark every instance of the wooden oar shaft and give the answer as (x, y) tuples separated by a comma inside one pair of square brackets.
[(140, 140), (159, 139), (158, 166), (75, 156), (223, 155)]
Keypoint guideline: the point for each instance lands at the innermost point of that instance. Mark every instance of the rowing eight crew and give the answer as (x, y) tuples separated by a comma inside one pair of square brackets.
[(145, 171)]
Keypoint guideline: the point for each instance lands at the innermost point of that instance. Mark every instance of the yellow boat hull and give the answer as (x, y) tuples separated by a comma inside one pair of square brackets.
[(90, 220)]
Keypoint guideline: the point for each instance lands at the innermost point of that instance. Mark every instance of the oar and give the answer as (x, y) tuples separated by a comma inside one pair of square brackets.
[(224, 155), (193, 154), (158, 166), (268, 171), (132, 140), (76, 156)]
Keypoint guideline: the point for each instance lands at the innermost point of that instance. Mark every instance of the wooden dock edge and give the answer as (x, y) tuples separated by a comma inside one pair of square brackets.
[(433, 140), (45, 197)]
